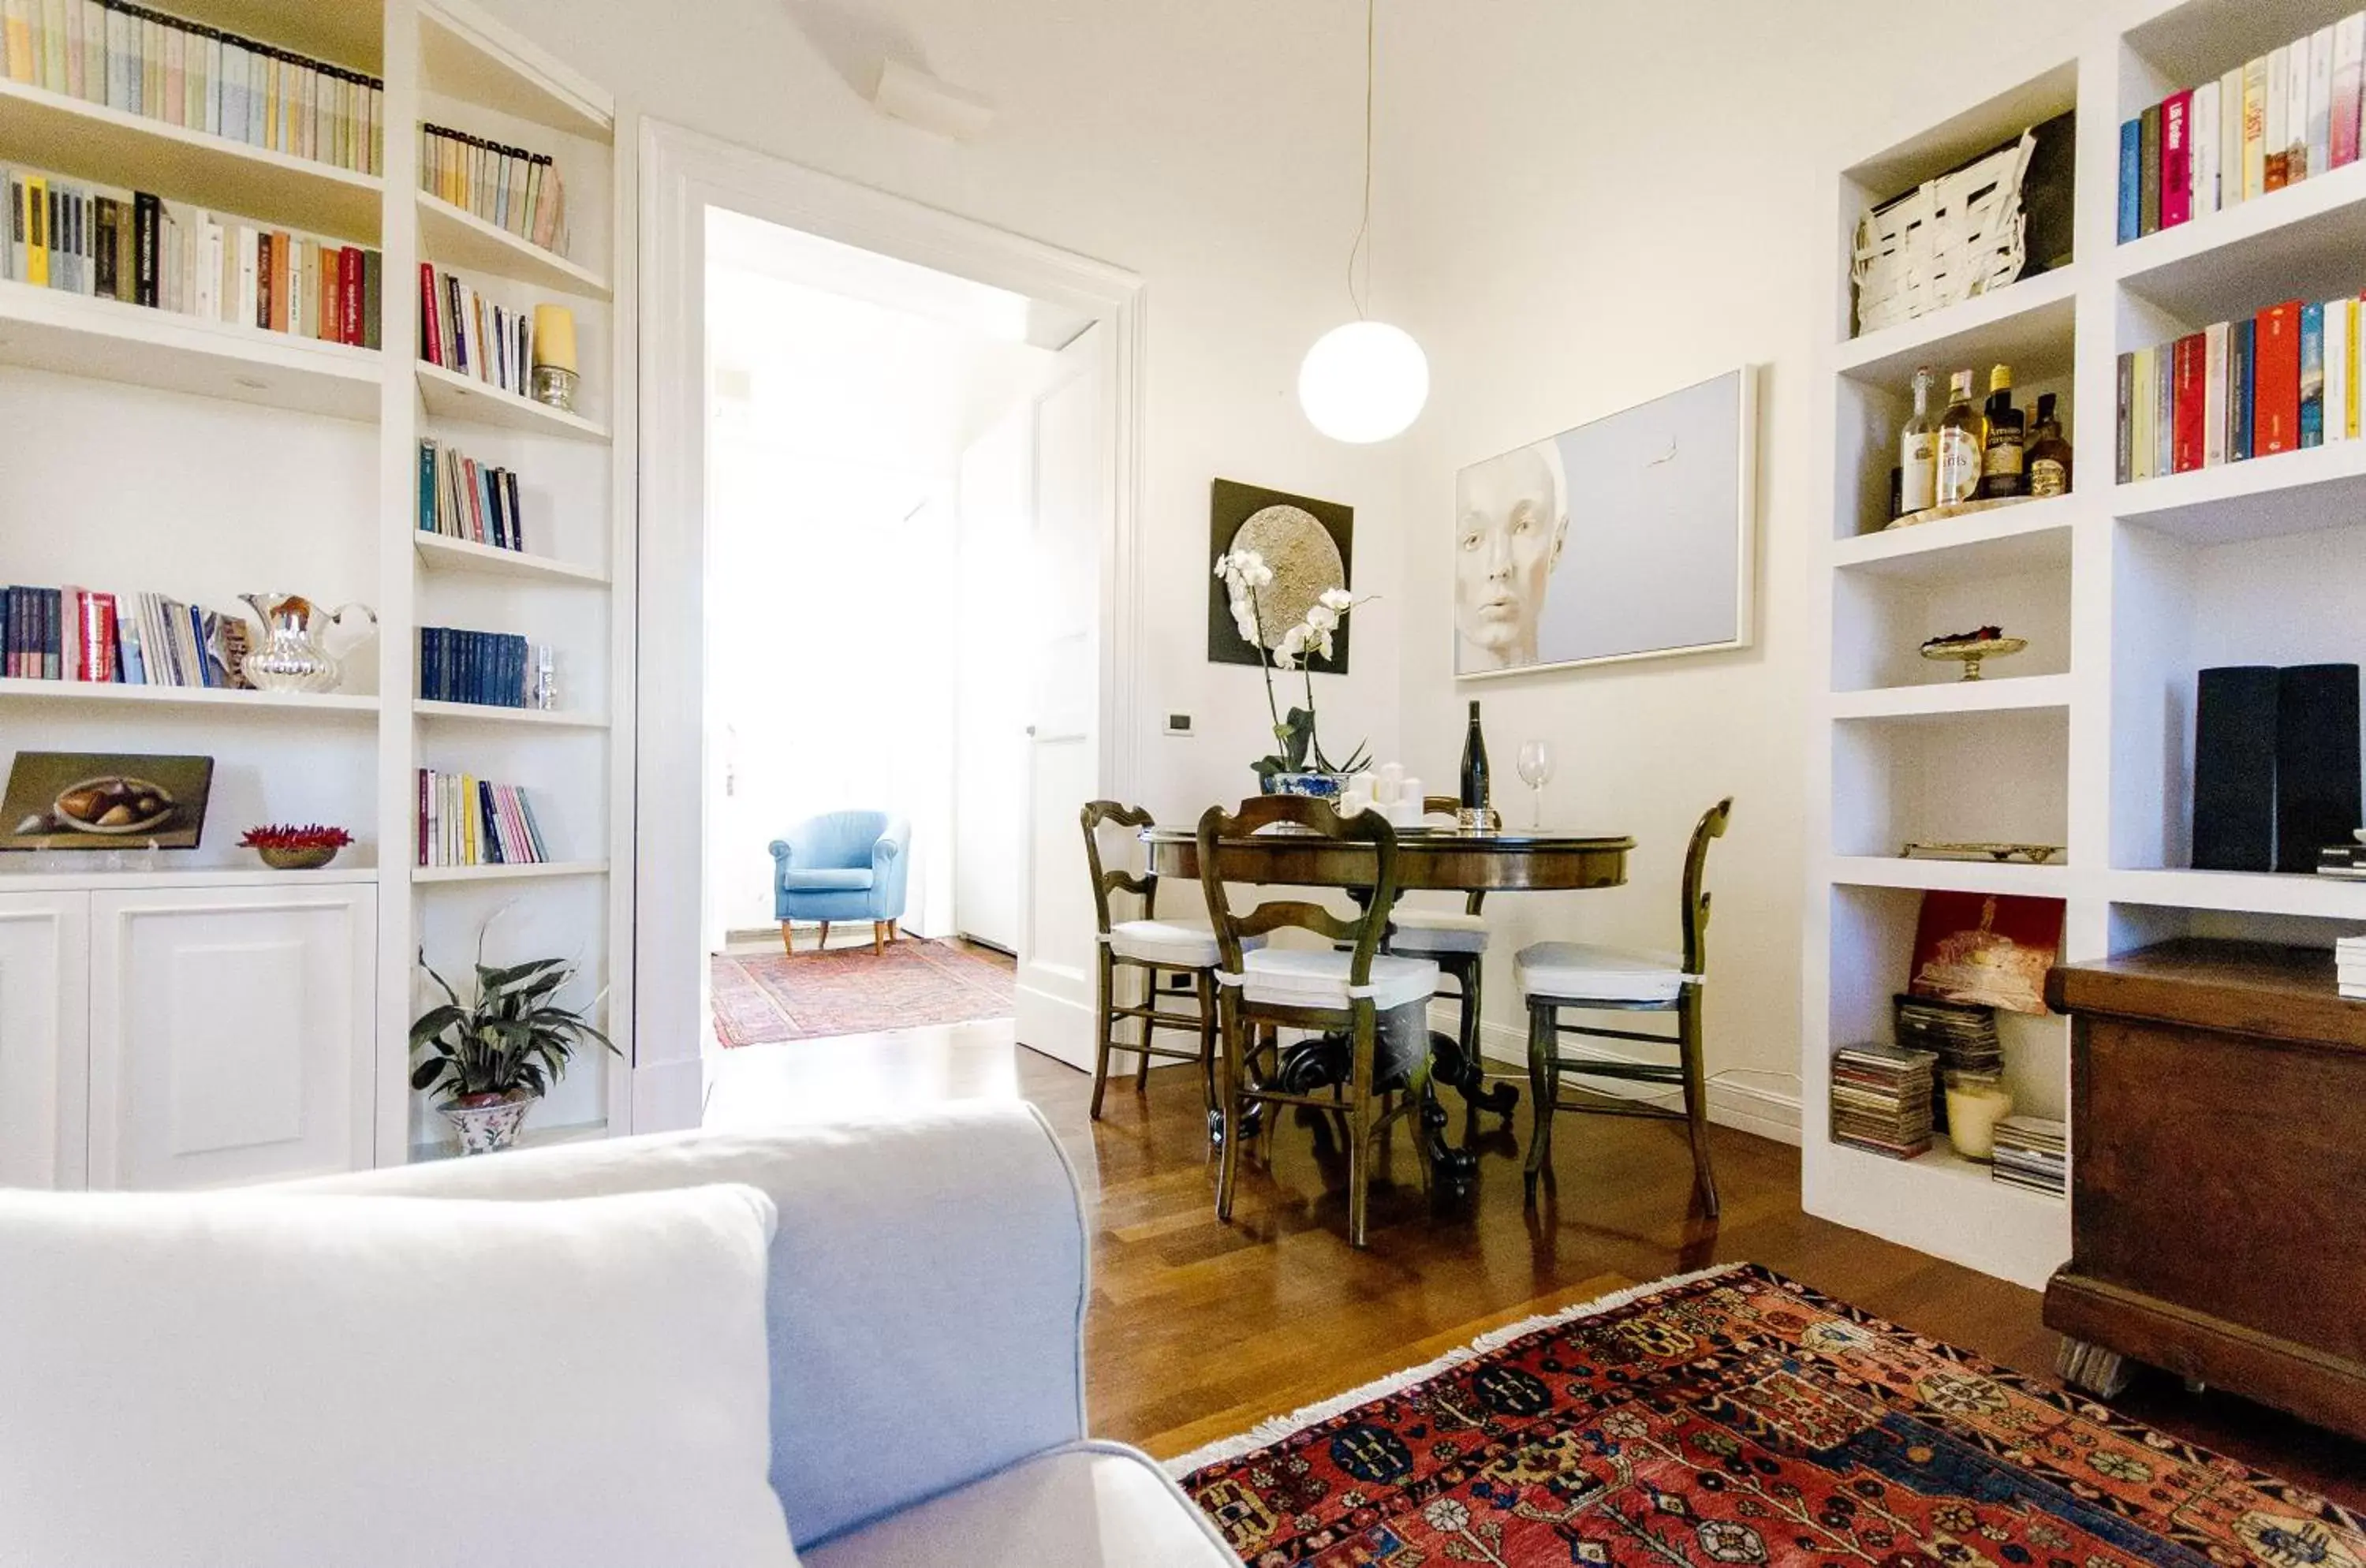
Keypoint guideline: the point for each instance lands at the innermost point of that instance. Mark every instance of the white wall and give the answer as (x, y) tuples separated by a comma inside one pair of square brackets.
[(1209, 145), (1615, 202)]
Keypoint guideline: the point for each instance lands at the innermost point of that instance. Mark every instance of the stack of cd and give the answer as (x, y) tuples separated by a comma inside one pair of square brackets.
[(2032, 1152), (1961, 1034), (2349, 966), (1881, 1100)]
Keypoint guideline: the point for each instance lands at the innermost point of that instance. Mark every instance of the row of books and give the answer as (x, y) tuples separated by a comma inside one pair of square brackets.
[(2349, 967), (2286, 117), (196, 77), (1881, 1100), (461, 330), (2032, 1152), (463, 499), (465, 820), (75, 633), (2347, 861), (507, 186), (2282, 380), (139, 248), (491, 668)]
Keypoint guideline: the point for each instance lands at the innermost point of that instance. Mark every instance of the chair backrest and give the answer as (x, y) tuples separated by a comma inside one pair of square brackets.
[(1451, 805), (1318, 818), (838, 841), (1097, 815), (1711, 826)]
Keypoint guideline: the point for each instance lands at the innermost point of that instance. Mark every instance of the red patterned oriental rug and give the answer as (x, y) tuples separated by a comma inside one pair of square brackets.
[(1736, 1418), (853, 991)]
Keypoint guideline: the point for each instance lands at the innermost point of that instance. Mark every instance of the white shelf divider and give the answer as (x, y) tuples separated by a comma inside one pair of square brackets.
[(2051, 881), (439, 552), (489, 713), (1992, 693), (209, 697), (1978, 547), (464, 399), (454, 238), (436, 874)]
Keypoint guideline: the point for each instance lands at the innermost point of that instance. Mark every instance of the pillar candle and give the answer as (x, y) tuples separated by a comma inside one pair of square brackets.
[(1973, 1108), (554, 336)]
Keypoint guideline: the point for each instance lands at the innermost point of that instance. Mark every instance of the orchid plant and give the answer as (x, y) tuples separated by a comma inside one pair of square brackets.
[(1244, 573)]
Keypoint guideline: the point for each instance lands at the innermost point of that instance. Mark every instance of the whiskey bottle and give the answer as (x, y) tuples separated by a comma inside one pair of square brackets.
[(1962, 444), (1917, 450), (2001, 470), (2049, 455)]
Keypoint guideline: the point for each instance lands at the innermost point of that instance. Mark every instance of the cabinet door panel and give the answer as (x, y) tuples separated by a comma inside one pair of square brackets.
[(230, 1035), (44, 1038)]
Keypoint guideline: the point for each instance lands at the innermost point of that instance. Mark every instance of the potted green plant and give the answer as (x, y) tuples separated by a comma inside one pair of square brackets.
[(492, 1058)]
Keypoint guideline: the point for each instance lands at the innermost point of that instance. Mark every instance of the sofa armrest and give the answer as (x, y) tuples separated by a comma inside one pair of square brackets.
[(927, 1292)]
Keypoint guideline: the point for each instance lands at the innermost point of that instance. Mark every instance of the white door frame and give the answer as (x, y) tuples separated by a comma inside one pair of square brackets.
[(684, 173)]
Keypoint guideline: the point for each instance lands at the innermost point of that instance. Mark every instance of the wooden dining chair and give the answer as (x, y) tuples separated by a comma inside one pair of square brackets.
[(1454, 940), (1566, 977), (1154, 947), (1263, 989)]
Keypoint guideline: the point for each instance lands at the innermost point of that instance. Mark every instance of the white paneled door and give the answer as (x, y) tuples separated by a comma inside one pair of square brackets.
[(44, 1038), (1068, 560), (222, 1023), (991, 699)]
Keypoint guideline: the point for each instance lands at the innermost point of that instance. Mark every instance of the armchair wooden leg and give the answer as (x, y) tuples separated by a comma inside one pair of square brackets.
[(1543, 1090), (788, 942), (824, 944), (878, 937), (1359, 1124), (1688, 1031), (895, 929), (1228, 1075), (1101, 1028), (1207, 992)]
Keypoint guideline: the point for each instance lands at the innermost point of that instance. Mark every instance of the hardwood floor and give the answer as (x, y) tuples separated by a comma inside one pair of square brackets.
[(1197, 1330)]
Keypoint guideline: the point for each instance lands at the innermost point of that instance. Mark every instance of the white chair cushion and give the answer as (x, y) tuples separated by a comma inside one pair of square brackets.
[(1304, 977), (1579, 972), (1087, 1505), (284, 1381), (1184, 945), (1437, 931)]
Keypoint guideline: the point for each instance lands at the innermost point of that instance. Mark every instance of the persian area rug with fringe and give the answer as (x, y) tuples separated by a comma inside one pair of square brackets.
[(1733, 1416), (760, 1000)]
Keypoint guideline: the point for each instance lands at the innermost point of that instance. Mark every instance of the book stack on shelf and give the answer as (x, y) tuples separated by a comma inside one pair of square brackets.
[(2345, 860), (509, 187), (2282, 382), (104, 242), (2349, 967), (199, 78), (2274, 121), (461, 330), (465, 820), (462, 498), (487, 669), (74, 634), (1961, 1036), (1881, 1100), (2032, 1152)]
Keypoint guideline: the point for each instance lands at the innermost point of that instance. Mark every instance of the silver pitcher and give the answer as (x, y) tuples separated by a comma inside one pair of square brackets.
[(294, 653)]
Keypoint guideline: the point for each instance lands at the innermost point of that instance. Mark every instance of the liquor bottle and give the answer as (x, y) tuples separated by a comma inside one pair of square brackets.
[(2049, 455), (1962, 444), (1917, 450), (2002, 472), (1474, 764)]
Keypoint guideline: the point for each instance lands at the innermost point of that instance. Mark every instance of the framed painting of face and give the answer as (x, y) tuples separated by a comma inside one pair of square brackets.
[(1629, 537)]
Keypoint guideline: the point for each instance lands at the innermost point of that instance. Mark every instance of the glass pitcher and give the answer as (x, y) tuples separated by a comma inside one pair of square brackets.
[(294, 654)]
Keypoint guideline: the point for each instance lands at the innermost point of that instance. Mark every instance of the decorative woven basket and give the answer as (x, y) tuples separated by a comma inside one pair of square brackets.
[(1943, 241)]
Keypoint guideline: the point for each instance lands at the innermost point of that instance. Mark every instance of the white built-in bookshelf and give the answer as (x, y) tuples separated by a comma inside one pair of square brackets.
[(2124, 591), (153, 451)]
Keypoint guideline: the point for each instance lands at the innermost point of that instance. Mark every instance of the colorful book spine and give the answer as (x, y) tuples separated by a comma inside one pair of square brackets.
[(2188, 399), (2131, 180), (2242, 407), (2348, 90), (2276, 381), (2311, 375), (2214, 350), (2148, 171), (2177, 160)]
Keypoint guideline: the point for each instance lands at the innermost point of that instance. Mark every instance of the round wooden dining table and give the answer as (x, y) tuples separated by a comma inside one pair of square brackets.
[(1430, 859)]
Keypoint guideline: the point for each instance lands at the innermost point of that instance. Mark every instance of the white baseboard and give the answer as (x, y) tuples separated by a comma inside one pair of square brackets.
[(1769, 1113)]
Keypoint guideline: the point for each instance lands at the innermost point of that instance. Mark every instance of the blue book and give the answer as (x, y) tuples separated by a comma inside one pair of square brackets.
[(427, 487), (2311, 375), (2242, 343), (2131, 180)]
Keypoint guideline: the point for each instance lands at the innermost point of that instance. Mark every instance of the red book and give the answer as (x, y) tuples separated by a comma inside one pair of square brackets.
[(349, 295), (2275, 377), (264, 245), (99, 645), (2191, 366), (2177, 160), (431, 326)]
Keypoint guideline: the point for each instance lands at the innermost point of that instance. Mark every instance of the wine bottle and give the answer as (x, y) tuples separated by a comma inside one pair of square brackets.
[(2049, 455), (1963, 442), (1474, 764), (1918, 451)]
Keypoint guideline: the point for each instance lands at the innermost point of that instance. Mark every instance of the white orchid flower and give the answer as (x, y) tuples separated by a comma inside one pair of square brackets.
[(1323, 644), (1321, 617), (1337, 599)]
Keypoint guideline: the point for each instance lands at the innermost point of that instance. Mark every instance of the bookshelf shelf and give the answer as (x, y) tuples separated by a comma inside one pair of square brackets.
[(50, 130), (48, 329), (2305, 241), (2292, 492), (91, 692), (454, 238), (1986, 1225), (1984, 545), (452, 396), (1995, 694), (2028, 325), (439, 552), (486, 713), (477, 60), (2242, 893), (434, 873), (183, 877), (1960, 876)]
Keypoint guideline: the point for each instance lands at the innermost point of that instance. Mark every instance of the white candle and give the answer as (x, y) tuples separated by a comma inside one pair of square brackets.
[(1973, 1108)]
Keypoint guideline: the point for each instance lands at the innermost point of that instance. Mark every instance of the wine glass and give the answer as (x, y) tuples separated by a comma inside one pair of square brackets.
[(1536, 765)]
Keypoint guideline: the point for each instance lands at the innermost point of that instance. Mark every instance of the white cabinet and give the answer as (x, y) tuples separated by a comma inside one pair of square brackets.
[(227, 1034), (44, 1038), (181, 1036)]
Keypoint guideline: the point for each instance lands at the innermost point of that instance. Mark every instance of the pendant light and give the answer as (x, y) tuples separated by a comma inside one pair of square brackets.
[(1365, 381)]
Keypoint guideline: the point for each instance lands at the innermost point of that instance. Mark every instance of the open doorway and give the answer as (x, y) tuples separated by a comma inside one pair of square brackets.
[(878, 582)]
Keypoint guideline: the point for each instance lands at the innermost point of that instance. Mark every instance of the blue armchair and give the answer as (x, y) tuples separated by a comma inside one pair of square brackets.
[(848, 865)]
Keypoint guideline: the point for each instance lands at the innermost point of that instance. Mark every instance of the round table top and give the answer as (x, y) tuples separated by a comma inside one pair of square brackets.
[(1428, 859)]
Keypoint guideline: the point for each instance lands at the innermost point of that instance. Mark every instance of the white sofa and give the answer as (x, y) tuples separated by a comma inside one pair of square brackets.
[(927, 1300)]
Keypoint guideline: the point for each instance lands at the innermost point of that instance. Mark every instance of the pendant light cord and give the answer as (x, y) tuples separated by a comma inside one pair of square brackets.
[(1363, 246)]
